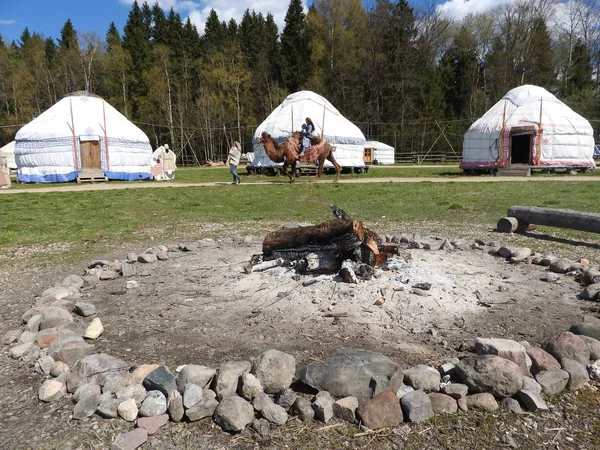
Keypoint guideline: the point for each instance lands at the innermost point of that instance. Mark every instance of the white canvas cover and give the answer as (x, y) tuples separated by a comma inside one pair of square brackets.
[(48, 149), (343, 135), (382, 153), (566, 138), (8, 151)]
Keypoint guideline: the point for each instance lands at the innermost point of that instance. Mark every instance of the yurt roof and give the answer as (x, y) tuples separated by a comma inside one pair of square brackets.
[(524, 105), (292, 112), (378, 145), (81, 114)]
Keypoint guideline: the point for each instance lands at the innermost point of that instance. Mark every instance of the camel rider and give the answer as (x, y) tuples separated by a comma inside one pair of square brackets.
[(308, 128)]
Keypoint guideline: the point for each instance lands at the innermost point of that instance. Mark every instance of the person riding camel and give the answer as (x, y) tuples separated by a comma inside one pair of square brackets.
[(308, 128)]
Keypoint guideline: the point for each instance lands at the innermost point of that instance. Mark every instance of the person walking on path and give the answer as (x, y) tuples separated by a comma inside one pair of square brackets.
[(235, 153)]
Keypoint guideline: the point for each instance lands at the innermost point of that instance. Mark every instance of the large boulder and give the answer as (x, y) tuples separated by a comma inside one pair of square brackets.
[(567, 345), (350, 372), (541, 360), (233, 414), (423, 377), (505, 348), (99, 369), (275, 370), (228, 375), (383, 410), (490, 373), (590, 328)]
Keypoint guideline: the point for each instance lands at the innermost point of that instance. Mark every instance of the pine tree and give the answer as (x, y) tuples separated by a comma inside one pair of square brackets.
[(294, 47)]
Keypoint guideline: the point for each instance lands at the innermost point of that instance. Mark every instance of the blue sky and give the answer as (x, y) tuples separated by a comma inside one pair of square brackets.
[(47, 17)]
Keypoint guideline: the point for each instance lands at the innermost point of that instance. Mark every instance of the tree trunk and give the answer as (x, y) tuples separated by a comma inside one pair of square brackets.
[(561, 218)]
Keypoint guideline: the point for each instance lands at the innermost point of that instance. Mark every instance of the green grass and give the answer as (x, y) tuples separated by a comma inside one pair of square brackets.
[(131, 215)]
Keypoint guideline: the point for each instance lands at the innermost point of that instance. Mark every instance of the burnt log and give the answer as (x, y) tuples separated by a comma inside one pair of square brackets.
[(561, 218), (333, 241)]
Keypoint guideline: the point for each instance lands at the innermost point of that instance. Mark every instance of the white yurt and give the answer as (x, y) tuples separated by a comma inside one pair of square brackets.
[(379, 152), (343, 135), (529, 126), (81, 131), (8, 151)]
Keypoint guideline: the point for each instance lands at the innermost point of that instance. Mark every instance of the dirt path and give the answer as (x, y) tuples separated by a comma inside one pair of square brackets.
[(165, 185)]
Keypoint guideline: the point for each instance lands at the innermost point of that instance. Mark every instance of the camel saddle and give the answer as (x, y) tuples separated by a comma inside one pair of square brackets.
[(311, 154)]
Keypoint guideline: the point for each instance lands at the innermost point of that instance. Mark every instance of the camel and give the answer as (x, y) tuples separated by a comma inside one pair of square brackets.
[(287, 153)]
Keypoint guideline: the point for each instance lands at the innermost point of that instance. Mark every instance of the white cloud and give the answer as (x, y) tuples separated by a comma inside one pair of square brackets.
[(7, 22), (458, 9), (198, 10)]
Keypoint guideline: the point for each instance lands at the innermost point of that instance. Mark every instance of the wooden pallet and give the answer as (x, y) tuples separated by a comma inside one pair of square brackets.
[(514, 170), (91, 176)]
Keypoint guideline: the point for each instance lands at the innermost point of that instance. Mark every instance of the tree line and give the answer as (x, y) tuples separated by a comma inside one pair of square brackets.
[(414, 79)]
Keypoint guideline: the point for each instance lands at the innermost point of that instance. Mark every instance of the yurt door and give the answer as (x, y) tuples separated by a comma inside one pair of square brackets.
[(521, 140), (90, 155)]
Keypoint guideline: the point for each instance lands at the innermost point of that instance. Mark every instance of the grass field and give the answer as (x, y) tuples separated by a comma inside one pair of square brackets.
[(91, 221)]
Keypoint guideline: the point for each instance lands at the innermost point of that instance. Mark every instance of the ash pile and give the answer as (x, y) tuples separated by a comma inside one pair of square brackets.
[(342, 245)]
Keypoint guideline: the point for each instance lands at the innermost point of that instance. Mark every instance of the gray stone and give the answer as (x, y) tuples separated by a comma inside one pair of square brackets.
[(192, 394), (442, 403), (590, 292), (130, 440), (490, 373), (275, 414), (94, 329), (152, 424), (568, 345), (383, 410), (57, 292), (87, 402), (134, 391), (20, 350), (533, 401), (59, 368), (69, 349), (85, 309), (89, 281), (195, 374), (225, 393), (484, 401), (416, 406), (456, 390), (387, 383), (593, 345), (591, 329), (250, 386), (44, 365), (147, 258), (323, 406), (345, 409), (132, 257), (578, 373), (175, 406), (229, 374), (530, 385), (303, 409), (349, 372), (233, 414), (10, 336), (54, 317), (560, 265), (520, 254), (286, 398), (423, 377), (594, 370), (205, 408), (98, 368), (128, 270), (108, 406), (511, 405), (261, 401), (26, 337), (261, 426), (275, 370), (154, 404), (552, 381), (403, 390), (160, 379), (33, 324)]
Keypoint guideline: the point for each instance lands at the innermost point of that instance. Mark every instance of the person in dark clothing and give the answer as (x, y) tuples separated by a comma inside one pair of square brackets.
[(308, 128)]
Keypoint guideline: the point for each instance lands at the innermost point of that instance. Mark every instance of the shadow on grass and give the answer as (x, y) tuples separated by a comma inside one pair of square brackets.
[(575, 243)]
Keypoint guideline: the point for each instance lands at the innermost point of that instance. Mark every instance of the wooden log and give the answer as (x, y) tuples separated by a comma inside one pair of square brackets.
[(508, 225), (561, 218)]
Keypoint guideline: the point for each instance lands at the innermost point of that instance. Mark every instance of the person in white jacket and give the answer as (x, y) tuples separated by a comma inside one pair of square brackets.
[(233, 159)]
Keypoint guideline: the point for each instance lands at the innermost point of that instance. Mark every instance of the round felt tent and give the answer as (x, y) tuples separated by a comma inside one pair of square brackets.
[(343, 135), (529, 126), (380, 152), (81, 131), (8, 151)]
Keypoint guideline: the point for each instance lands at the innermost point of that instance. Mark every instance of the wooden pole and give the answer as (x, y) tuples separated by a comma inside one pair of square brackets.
[(561, 218), (75, 158), (105, 136), (323, 124), (292, 131), (539, 155), (501, 151)]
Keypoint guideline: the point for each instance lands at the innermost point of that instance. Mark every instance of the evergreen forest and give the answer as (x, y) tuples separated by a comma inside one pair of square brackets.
[(409, 77)]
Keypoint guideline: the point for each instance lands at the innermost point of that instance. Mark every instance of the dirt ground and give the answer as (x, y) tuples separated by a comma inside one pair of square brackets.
[(201, 308)]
